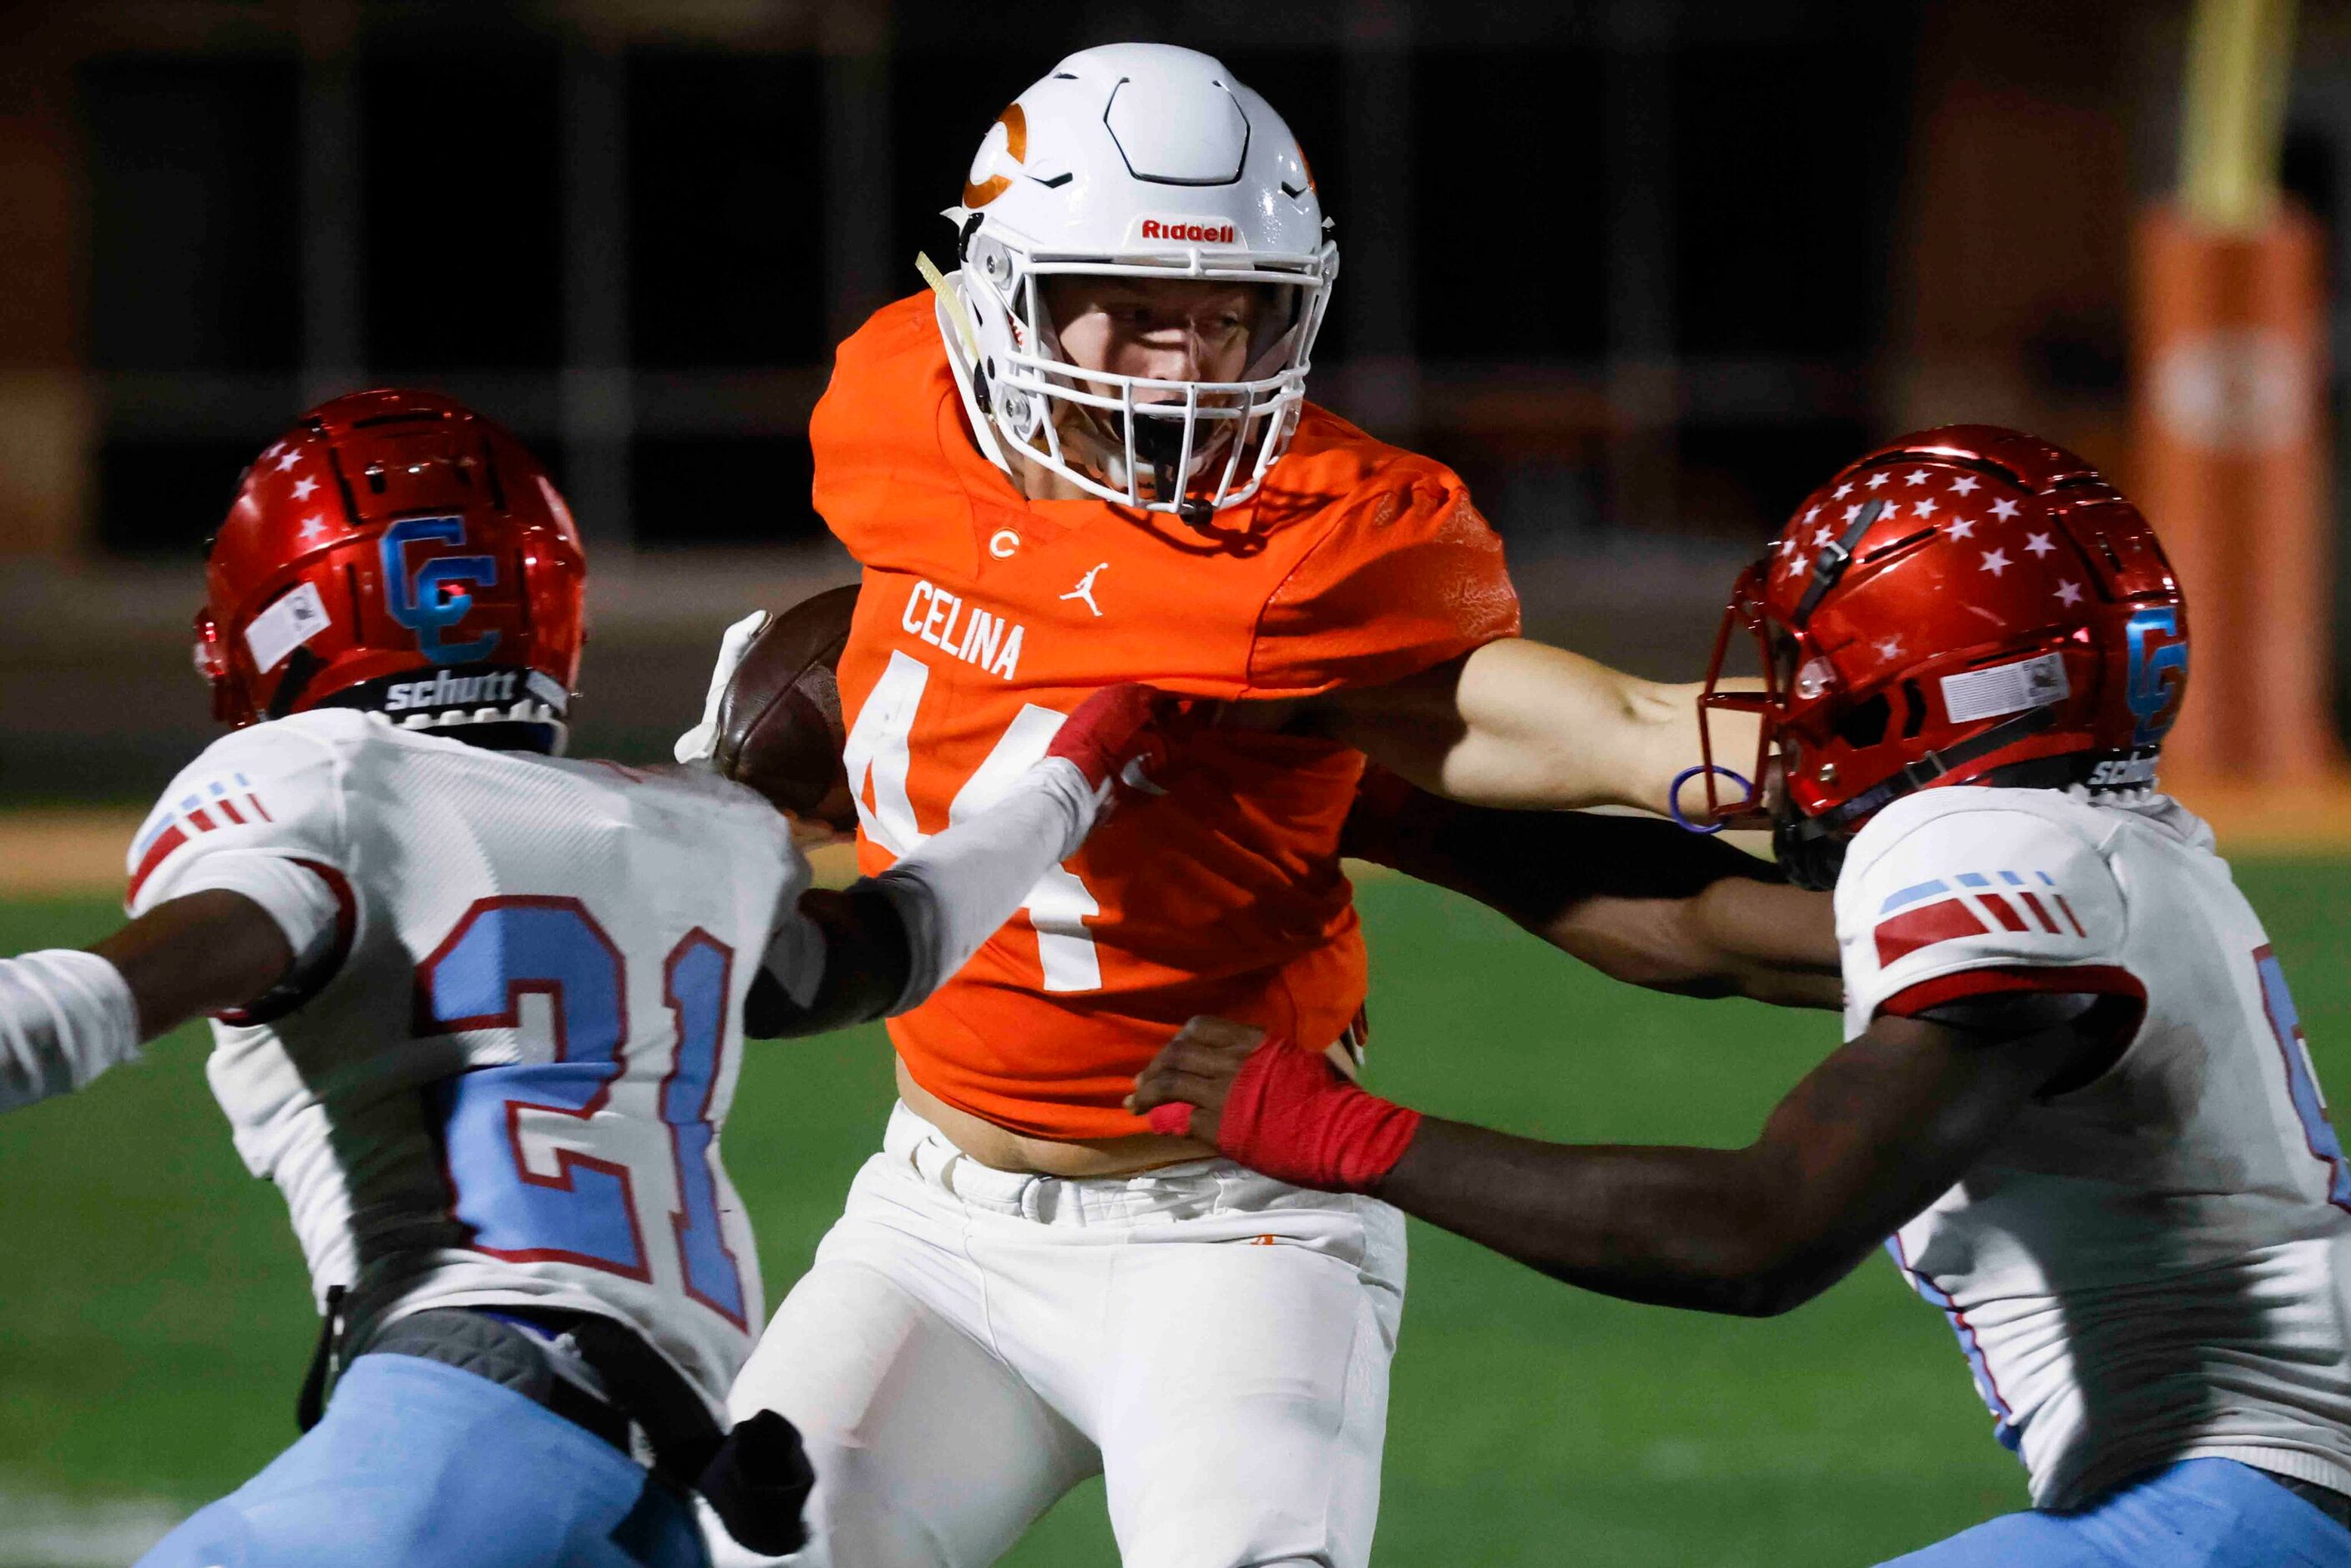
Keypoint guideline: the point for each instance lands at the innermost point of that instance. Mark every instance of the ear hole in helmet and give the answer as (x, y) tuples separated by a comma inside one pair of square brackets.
[(1916, 719), (1865, 724)]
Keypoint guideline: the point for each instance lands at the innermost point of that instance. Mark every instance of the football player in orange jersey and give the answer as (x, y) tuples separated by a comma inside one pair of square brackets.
[(1087, 457)]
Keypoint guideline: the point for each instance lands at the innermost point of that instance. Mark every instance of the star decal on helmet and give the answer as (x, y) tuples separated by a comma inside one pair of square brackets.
[(2025, 658)]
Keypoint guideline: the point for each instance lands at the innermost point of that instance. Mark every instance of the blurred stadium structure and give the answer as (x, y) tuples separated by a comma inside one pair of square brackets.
[(1641, 270)]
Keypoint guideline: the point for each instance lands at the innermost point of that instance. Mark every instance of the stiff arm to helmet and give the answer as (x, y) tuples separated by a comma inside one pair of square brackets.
[(1969, 603)]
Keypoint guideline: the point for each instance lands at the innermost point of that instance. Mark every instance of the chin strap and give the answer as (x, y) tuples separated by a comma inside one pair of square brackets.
[(1923, 772), (956, 310)]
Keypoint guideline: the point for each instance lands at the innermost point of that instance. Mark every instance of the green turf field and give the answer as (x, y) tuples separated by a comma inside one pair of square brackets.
[(154, 1321)]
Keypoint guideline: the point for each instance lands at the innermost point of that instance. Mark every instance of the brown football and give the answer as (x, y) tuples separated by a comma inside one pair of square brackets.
[(779, 729)]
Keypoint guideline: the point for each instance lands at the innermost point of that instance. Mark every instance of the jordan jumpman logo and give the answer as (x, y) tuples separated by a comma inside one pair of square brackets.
[(1085, 587)]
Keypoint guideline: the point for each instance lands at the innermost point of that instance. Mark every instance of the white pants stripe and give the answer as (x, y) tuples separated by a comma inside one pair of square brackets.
[(970, 1345)]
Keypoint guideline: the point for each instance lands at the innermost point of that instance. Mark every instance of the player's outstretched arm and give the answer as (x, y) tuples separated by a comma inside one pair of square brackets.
[(1864, 1142), (889, 941), (1639, 900), (67, 1014), (1523, 724)]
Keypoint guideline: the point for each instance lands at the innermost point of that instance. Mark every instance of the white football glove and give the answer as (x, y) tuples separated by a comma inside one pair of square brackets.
[(700, 744)]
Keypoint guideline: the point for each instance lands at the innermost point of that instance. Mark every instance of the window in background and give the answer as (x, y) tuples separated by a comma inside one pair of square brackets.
[(1787, 162), (193, 274), (1743, 480), (726, 205), (942, 101), (165, 495), (750, 491), (191, 213), (1509, 194), (462, 192)]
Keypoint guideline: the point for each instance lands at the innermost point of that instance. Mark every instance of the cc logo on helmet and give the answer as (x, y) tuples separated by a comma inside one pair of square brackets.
[(425, 598), (979, 192), (2158, 673)]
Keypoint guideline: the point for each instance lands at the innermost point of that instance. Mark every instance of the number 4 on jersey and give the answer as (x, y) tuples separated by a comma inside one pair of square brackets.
[(2301, 1081), (877, 755)]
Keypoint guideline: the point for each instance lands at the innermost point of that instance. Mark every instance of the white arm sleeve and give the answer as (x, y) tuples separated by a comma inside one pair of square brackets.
[(797, 953), (65, 1017), (958, 887)]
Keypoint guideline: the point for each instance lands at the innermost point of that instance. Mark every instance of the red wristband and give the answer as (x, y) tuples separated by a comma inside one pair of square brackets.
[(1293, 1115)]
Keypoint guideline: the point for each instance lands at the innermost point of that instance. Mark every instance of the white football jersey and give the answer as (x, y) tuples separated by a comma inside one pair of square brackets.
[(2157, 1265), (506, 1082)]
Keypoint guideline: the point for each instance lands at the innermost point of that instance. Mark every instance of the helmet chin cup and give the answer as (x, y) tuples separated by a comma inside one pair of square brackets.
[(1158, 441), (1812, 859)]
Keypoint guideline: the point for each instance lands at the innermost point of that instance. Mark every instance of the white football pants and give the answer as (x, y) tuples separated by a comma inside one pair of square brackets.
[(970, 1345)]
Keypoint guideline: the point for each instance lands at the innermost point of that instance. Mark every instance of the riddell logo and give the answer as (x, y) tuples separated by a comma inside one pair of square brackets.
[(1196, 233)]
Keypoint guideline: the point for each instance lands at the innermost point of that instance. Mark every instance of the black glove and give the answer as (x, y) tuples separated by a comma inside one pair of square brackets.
[(757, 1483)]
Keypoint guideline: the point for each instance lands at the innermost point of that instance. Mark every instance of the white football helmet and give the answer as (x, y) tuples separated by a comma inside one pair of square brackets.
[(1141, 160)]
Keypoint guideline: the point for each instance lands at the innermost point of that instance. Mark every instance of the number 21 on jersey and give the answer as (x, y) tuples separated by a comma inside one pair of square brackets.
[(878, 750), (523, 1187)]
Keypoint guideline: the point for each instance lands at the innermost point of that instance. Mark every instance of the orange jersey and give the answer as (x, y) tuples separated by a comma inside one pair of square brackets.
[(984, 617)]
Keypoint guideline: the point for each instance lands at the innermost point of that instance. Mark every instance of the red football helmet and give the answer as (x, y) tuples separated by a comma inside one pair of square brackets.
[(1967, 604), (397, 552)]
